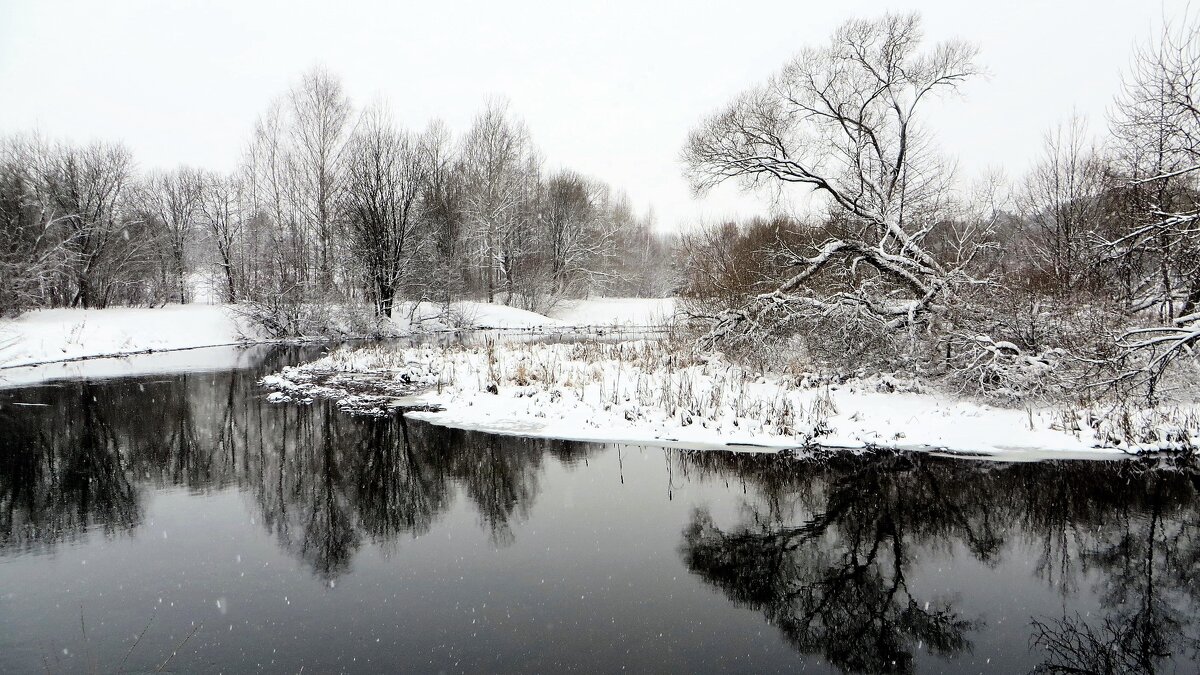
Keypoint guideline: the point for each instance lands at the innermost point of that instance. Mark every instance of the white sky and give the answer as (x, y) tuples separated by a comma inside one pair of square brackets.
[(610, 89)]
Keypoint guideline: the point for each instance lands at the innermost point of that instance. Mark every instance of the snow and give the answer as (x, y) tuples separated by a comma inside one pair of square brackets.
[(656, 392), (466, 315), (204, 287), (50, 335), (65, 334), (568, 314), (616, 312), (61, 344), (644, 391), (207, 359)]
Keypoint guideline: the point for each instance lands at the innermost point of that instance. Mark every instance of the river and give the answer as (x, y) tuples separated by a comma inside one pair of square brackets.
[(181, 520)]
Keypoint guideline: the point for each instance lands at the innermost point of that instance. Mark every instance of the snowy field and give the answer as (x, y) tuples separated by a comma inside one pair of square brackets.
[(655, 392), (70, 334), (199, 360), (59, 335), (623, 312), (568, 314)]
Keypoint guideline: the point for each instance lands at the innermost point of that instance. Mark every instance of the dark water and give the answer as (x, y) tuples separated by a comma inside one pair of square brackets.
[(242, 536)]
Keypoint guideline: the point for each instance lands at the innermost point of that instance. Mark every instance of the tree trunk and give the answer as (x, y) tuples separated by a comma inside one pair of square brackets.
[(177, 255)]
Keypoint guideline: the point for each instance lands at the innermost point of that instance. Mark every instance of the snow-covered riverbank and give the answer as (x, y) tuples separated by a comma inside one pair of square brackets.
[(658, 392), (56, 335), (59, 335)]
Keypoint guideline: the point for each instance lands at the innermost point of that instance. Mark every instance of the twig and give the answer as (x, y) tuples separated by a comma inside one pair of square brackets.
[(121, 666), (178, 647)]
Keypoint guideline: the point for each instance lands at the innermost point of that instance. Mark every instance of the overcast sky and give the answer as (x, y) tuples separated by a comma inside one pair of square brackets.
[(608, 88)]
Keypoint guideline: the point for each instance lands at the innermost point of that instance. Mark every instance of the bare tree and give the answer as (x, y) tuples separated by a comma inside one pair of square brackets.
[(32, 255), (173, 200), (316, 209), (500, 168), (293, 172), (87, 189), (646, 264), (320, 115), (1150, 168), (1158, 122), (728, 263), (223, 216), (279, 281), (842, 120), (580, 230), (269, 171), (385, 173), (1062, 202), (443, 206)]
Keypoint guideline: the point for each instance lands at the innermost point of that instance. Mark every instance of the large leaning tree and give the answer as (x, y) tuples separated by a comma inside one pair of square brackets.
[(842, 120)]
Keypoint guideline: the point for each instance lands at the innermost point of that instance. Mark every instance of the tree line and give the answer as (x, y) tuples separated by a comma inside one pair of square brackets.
[(1090, 262), (329, 205)]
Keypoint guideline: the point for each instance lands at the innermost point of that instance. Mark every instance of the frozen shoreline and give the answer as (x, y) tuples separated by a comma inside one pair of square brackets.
[(632, 392), (58, 336), (61, 335), (649, 393)]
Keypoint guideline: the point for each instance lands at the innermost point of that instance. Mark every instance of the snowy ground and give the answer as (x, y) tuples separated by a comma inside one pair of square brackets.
[(657, 392), (569, 314), (61, 335), (70, 334), (201, 360), (616, 312)]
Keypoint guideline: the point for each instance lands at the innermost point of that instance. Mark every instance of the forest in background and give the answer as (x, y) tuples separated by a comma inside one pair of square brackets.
[(330, 208), (1078, 279)]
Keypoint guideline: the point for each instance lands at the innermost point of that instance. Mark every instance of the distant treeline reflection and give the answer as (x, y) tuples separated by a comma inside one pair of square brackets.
[(322, 481)]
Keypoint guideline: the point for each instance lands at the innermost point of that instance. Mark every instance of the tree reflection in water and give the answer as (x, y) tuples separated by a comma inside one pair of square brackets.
[(322, 481), (63, 476), (826, 544), (1146, 543), (825, 557), (830, 550)]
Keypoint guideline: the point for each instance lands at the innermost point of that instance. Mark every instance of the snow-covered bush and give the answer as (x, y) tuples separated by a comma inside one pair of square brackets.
[(282, 319)]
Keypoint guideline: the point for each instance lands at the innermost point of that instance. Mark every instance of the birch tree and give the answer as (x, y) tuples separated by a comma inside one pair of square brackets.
[(293, 164), (320, 115), (500, 169), (272, 193), (173, 200), (223, 216)]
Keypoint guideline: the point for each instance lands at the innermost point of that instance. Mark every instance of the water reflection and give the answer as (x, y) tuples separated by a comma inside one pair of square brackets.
[(64, 475), (840, 554), (825, 546), (1149, 555), (826, 553), (78, 454)]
